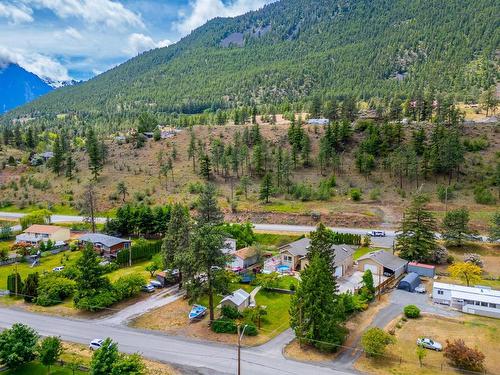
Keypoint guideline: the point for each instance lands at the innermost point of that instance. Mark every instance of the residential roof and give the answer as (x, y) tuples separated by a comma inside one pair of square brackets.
[(106, 240), (342, 252), (237, 297), (412, 278), (298, 248), (318, 121), (422, 265), (467, 289), (245, 253), (385, 259), (45, 229), (475, 297)]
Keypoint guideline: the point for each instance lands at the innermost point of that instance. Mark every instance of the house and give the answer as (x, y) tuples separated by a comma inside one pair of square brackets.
[(239, 299), (478, 300), (107, 246), (382, 263), (294, 256), (410, 282), (38, 233), (243, 258), (39, 159), (167, 132), (318, 121), (421, 269)]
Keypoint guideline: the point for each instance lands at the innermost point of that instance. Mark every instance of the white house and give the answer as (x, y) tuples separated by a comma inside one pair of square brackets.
[(243, 258), (38, 233), (478, 300)]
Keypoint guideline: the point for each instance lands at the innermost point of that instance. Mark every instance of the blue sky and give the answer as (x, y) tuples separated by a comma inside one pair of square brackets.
[(77, 39)]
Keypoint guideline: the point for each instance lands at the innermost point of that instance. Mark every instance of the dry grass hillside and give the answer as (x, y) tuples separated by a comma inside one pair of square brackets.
[(382, 202)]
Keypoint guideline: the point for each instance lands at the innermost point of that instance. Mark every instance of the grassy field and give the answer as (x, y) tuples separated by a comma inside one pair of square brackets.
[(277, 319), (271, 239), (36, 368), (475, 331)]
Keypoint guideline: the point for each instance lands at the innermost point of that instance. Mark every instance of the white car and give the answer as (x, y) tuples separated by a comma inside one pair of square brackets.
[(429, 344), (58, 269), (156, 284), (96, 344), (148, 288), (376, 233), (420, 289)]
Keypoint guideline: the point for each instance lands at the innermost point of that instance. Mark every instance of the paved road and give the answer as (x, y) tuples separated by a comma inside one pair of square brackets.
[(204, 357), (376, 241)]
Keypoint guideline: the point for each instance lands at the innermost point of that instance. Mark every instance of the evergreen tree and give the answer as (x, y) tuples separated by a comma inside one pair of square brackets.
[(266, 187), (418, 140), (56, 162), (121, 189), (70, 166), (192, 149), (306, 151), (205, 167), (495, 228), (258, 160), (416, 240), (455, 226), (316, 314), (315, 107), (321, 245), (208, 209), (30, 289), (245, 183), (95, 154)]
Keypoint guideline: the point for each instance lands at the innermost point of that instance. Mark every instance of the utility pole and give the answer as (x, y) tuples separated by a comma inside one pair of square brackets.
[(130, 253), (240, 336)]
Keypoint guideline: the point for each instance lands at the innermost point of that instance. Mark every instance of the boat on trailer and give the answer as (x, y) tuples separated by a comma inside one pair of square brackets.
[(197, 312)]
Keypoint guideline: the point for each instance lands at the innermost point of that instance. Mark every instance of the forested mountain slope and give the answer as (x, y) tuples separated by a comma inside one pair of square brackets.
[(17, 86), (294, 49)]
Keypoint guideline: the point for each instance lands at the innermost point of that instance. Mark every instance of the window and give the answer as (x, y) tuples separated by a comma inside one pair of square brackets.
[(288, 258), (477, 303), (493, 305), (440, 292), (484, 304)]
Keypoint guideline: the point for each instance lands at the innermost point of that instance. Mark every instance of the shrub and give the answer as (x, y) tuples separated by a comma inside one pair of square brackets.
[(375, 340), (483, 195), (355, 194), (476, 144), (230, 312), (18, 345), (292, 287), (375, 194), (443, 194), (15, 283), (128, 286), (463, 357), (139, 251), (53, 288), (440, 255), (474, 259), (103, 299), (411, 311), (224, 325)]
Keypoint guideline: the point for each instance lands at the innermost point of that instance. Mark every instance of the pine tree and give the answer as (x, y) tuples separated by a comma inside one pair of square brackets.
[(30, 289), (70, 166), (321, 245), (258, 160), (266, 187), (208, 208), (245, 183), (192, 149), (205, 167), (57, 160), (416, 240), (455, 226), (316, 314), (95, 154), (306, 151)]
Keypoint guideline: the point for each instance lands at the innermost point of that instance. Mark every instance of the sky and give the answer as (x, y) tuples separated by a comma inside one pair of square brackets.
[(78, 39)]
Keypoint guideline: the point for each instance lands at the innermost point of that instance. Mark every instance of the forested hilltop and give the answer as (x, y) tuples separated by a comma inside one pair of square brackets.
[(292, 50)]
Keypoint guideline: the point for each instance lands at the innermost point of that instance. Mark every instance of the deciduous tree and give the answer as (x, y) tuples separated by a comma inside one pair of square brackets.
[(465, 271)]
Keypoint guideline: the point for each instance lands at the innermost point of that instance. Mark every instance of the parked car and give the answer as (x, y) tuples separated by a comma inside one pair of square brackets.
[(58, 269), (429, 344), (475, 238), (156, 284), (96, 344), (420, 289), (148, 288), (376, 233)]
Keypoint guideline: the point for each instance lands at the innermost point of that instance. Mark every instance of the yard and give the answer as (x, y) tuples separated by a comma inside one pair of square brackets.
[(172, 319), (476, 331), (35, 368)]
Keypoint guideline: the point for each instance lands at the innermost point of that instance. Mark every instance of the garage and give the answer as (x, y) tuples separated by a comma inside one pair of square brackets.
[(372, 268), (338, 271)]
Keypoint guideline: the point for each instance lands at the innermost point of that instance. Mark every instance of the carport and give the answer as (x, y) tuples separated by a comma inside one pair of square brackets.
[(409, 282)]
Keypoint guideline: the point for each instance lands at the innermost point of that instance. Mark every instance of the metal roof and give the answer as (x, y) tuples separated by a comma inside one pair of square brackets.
[(237, 297), (475, 297), (106, 240), (385, 259), (467, 289), (412, 278), (301, 248)]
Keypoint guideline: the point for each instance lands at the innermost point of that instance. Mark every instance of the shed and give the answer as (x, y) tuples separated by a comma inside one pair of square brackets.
[(410, 282), (239, 299), (421, 269), (382, 263)]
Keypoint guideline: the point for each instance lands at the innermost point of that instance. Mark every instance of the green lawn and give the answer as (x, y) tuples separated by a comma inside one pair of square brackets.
[(365, 250), (46, 264), (277, 319), (269, 239), (57, 209), (286, 281), (137, 268), (36, 368)]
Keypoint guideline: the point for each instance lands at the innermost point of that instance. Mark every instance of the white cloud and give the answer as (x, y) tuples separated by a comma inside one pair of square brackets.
[(41, 65), (138, 43), (15, 13), (203, 10), (73, 33), (110, 13)]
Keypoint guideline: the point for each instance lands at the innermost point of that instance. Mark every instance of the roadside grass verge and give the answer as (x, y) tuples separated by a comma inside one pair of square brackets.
[(271, 239), (36, 368)]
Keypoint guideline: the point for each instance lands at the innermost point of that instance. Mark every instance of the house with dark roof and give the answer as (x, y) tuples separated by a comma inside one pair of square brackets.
[(294, 255), (106, 245), (382, 263)]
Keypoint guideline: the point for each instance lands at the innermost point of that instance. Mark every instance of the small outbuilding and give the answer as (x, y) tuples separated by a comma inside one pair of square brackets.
[(239, 299), (425, 270), (410, 282), (382, 262)]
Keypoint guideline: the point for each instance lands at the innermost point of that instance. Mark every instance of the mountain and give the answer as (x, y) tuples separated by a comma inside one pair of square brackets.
[(292, 50), (18, 86), (58, 84)]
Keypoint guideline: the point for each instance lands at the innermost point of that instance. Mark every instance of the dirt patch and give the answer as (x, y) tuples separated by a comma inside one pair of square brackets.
[(173, 320), (401, 358), (306, 353)]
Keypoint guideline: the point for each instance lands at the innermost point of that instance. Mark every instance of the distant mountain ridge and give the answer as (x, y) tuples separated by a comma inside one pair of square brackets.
[(18, 86), (292, 50)]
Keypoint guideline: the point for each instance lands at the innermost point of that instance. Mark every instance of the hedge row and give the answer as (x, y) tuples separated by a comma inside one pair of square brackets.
[(225, 325), (346, 238), (141, 251)]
